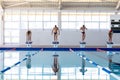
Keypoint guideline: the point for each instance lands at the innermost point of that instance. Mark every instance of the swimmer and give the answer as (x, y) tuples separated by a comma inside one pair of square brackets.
[(83, 28), (56, 32), (28, 36), (110, 34)]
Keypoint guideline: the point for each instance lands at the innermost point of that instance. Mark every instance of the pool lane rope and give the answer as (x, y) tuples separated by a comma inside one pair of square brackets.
[(95, 64), (19, 62)]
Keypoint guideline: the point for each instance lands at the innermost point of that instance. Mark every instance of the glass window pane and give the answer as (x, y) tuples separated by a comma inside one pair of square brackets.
[(39, 25), (38, 17), (88, 25), (103, 25), (24, 25), (32, 25), (108, 25), (24, 17), (80, 17), (103, 18), (7, 33), (8, 24), (95, 18), (64, 16), (79, 24), (15, 40), (46, 16), (108, 18), (7, 40), (12, 25), (15, 25), (53, 24), (15, 33), (8, 17), (31, 17), (49, 25), (95, 25), (54, 16), (72, 17), (87, 18), (72, 25), (65, 25), (15, 17)]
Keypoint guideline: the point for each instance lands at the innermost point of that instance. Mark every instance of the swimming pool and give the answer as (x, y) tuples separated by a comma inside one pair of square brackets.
[(70, 64)]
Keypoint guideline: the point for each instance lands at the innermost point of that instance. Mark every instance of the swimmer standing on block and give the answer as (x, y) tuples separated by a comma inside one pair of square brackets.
[(110, 34), (83, 28), (56, 32), (28, 36)]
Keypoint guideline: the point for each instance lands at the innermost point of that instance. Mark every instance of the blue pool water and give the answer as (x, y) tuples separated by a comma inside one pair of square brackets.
[(70, 65)]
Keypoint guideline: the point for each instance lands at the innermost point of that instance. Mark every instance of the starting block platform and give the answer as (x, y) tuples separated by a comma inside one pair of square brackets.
[(82, 44), (109, 42), (55, 42), (28, 42)]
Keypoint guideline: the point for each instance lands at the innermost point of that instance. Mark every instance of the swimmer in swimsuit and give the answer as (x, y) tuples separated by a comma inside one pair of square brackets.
[(56, 32), (28, 36), (110, 33), (83, 28)]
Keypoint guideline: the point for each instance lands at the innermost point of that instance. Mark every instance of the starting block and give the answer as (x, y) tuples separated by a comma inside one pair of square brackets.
[(55, 44), (82, 44), (28, 43), (109, 44)]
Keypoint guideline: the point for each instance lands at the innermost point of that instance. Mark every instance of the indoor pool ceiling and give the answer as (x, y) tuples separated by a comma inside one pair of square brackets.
[(60, 4)]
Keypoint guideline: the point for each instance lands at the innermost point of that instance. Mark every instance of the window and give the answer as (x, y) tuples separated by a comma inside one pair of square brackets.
[(12, 26), (44, 20)]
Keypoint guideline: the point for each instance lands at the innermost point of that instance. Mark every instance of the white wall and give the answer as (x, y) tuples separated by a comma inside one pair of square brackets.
[(70, 37)]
